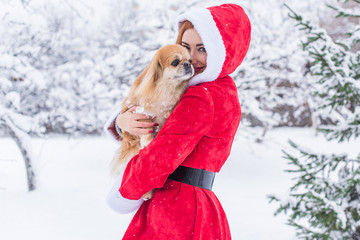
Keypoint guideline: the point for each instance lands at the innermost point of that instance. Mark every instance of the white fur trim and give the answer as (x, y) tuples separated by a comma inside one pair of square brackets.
[(205, 25), (118, 203)]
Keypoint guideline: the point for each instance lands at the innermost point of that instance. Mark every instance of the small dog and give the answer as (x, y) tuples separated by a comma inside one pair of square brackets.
[(156, 91)]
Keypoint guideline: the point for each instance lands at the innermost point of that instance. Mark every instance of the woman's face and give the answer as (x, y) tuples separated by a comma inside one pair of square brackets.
[(192, 42)]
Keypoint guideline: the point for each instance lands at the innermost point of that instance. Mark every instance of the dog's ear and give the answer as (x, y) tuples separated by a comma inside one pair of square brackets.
[(150, 74), (147, 78), (155, 69)]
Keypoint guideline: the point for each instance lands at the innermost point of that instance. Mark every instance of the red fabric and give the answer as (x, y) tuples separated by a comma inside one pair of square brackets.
[(199, 134), (235, 29), (112, 130)]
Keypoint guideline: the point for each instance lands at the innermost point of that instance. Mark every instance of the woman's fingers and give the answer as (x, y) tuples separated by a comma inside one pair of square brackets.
[(144, 127), (134, 122), (145, 124), (141, 131), (139, 116)]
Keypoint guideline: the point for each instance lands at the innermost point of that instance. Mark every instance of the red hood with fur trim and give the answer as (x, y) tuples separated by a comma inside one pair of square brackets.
[(226, 32)]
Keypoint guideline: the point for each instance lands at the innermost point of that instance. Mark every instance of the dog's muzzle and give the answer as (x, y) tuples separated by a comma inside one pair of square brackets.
[(188, 68)]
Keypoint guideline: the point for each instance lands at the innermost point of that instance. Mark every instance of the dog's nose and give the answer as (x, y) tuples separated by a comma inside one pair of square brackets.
[(187, 64), (187, 67)]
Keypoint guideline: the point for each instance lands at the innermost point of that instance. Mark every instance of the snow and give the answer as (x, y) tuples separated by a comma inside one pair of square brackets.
[(73, 181)]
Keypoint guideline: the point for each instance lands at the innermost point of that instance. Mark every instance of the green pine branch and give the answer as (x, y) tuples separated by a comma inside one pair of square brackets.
[(352, 130), (316, 198), (343, 12), (324, 200), (338, 71)]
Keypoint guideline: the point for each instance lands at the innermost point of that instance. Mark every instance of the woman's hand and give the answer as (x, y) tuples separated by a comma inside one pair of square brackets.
[(134, 123)]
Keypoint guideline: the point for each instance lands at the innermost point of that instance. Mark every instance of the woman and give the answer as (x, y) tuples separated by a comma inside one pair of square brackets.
[(196, 139)]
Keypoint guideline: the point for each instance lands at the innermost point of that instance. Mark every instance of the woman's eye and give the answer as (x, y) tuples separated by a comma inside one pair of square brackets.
[(175, 62), (202, 49)]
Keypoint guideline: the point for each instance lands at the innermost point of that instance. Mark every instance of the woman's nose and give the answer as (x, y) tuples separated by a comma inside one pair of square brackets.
[(193, 57)]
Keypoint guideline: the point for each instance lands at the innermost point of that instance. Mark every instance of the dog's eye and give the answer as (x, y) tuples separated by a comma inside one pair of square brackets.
[(175, 62)]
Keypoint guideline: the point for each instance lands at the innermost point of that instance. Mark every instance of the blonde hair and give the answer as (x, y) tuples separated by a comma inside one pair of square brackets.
[(185, 26)]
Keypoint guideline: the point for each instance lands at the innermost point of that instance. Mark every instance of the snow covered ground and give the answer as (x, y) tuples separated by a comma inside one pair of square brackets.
[(73, 181)]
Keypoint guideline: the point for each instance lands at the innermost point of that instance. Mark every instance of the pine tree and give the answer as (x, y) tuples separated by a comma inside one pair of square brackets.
[(324, 202)]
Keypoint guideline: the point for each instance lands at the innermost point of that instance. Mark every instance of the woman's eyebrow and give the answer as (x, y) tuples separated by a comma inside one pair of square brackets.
[(198, 45)]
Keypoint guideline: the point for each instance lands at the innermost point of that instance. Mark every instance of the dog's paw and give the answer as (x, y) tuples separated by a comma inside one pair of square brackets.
[(149, 195)]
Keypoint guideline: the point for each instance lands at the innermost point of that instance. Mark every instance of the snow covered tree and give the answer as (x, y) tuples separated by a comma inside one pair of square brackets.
[(16, 89), (324, 202), (22, 86), (274, 87)]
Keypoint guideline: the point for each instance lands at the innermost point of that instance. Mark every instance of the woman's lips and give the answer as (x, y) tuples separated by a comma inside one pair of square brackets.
[(198, 69)]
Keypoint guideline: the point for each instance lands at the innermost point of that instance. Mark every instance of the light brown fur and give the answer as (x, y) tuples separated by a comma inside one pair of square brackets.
[(157, 90)]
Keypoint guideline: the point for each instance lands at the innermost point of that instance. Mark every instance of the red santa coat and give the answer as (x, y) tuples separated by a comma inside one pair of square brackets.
[(199, 134)]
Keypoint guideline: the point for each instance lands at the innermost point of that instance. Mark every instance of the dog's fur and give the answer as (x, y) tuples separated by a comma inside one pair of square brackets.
[(156, 91)]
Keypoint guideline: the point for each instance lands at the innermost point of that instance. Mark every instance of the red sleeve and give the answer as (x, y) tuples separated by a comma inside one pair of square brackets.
[(187, 124)]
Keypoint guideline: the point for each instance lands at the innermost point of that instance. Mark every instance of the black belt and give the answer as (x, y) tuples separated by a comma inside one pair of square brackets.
[(193, 176)]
